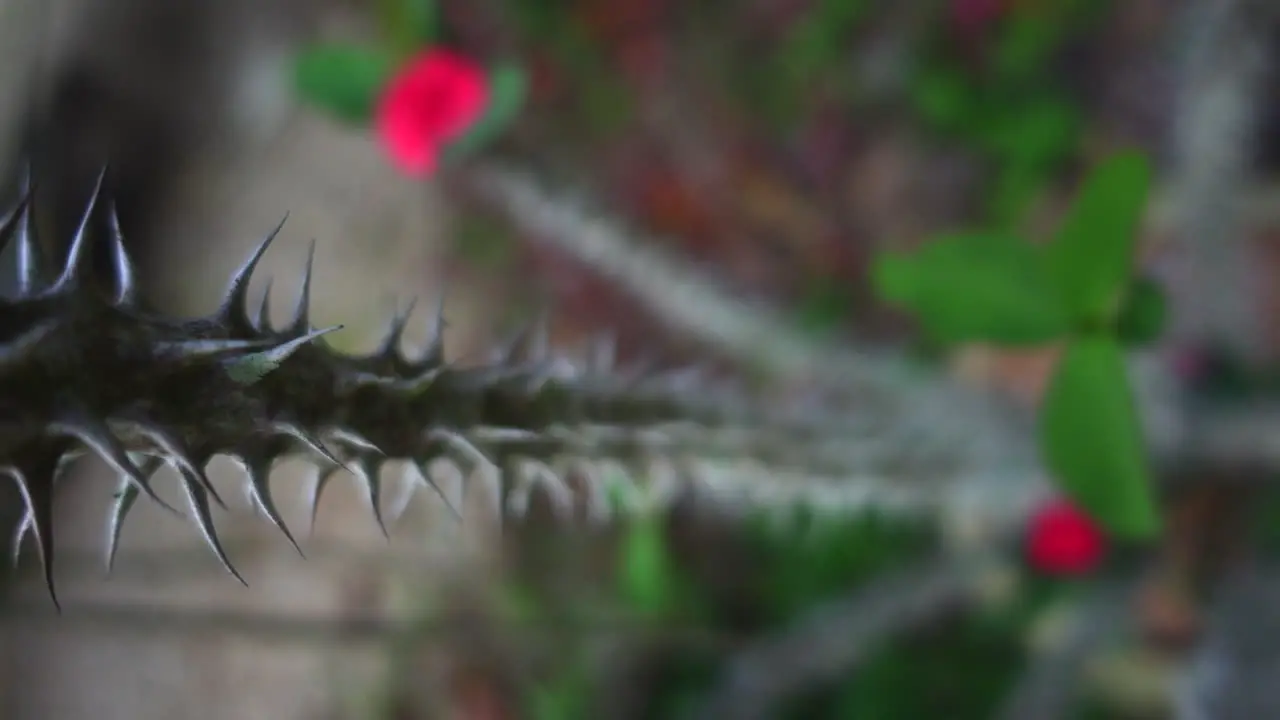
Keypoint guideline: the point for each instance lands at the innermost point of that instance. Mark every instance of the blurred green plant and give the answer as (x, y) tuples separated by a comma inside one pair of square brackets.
[(1078, 290), (967, 663), (1012, 107)]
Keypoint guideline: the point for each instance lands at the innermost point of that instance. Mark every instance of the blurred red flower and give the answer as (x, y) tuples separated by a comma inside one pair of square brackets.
[(1062, 540), (431, 100)]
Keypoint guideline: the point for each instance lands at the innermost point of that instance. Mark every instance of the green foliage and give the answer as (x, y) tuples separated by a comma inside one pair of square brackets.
[(959, 671), (959, 668), (407, 24), (827, 557), (343, 80), (565, 698), (646, 576), (1012, 107), (947, 99), (985, 287), (820, 39), (1092, 257), (1092, 439), (1142, 317), (1079, 288), (508, 88)]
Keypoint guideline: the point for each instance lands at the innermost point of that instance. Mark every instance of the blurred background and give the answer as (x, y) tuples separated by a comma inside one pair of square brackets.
[(768, 148)]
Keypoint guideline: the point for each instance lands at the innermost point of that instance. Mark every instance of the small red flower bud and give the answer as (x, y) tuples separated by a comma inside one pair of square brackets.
[(433, 99), (1062, 540)]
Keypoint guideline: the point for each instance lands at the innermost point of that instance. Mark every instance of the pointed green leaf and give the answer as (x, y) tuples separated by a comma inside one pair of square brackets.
[(1025, 44), (975, 288), (1092, 440), (343, 80), (1092, 257), (646, 572), (249, 368), (508, 87)]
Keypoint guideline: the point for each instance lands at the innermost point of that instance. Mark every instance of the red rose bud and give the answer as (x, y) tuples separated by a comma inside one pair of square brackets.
[(433, 99), (1063, 541)]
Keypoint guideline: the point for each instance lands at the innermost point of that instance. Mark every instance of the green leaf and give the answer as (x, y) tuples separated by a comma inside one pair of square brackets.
[(1143, 316), (508, 88), (407, 24), (646, 573), (1037, 131), (1025, 45), (1091, 258), (250, 368), (975, 288), (343, 80), (945, 98), (1092, 439), (1013, 191)]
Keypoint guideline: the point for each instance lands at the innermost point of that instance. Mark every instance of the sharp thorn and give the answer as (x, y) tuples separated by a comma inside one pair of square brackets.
[(80, 258), (263, 321), (258, 472), (198, 498), (235, 301), (126, 275), (323, 476), (35, 483), (304, 436), (97, 436), (302, 309)]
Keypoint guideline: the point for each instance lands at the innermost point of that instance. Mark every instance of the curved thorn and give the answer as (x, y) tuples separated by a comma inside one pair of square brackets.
[(323, 476), (13, 218), (431, 483), (354, 439), (206, 347), (179, 456), (258, 472), (235, 301), (31, 265), (19, 536), (198, 498), (80, 258), (302, 308), (263, 321), (389, 348), (125, 497), (370, 478), (98, 437), (304, 436), (126, 275), (36, 486)]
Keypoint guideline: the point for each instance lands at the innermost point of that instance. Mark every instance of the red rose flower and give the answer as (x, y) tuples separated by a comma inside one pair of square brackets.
[(433, 99), (1062, 540)]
